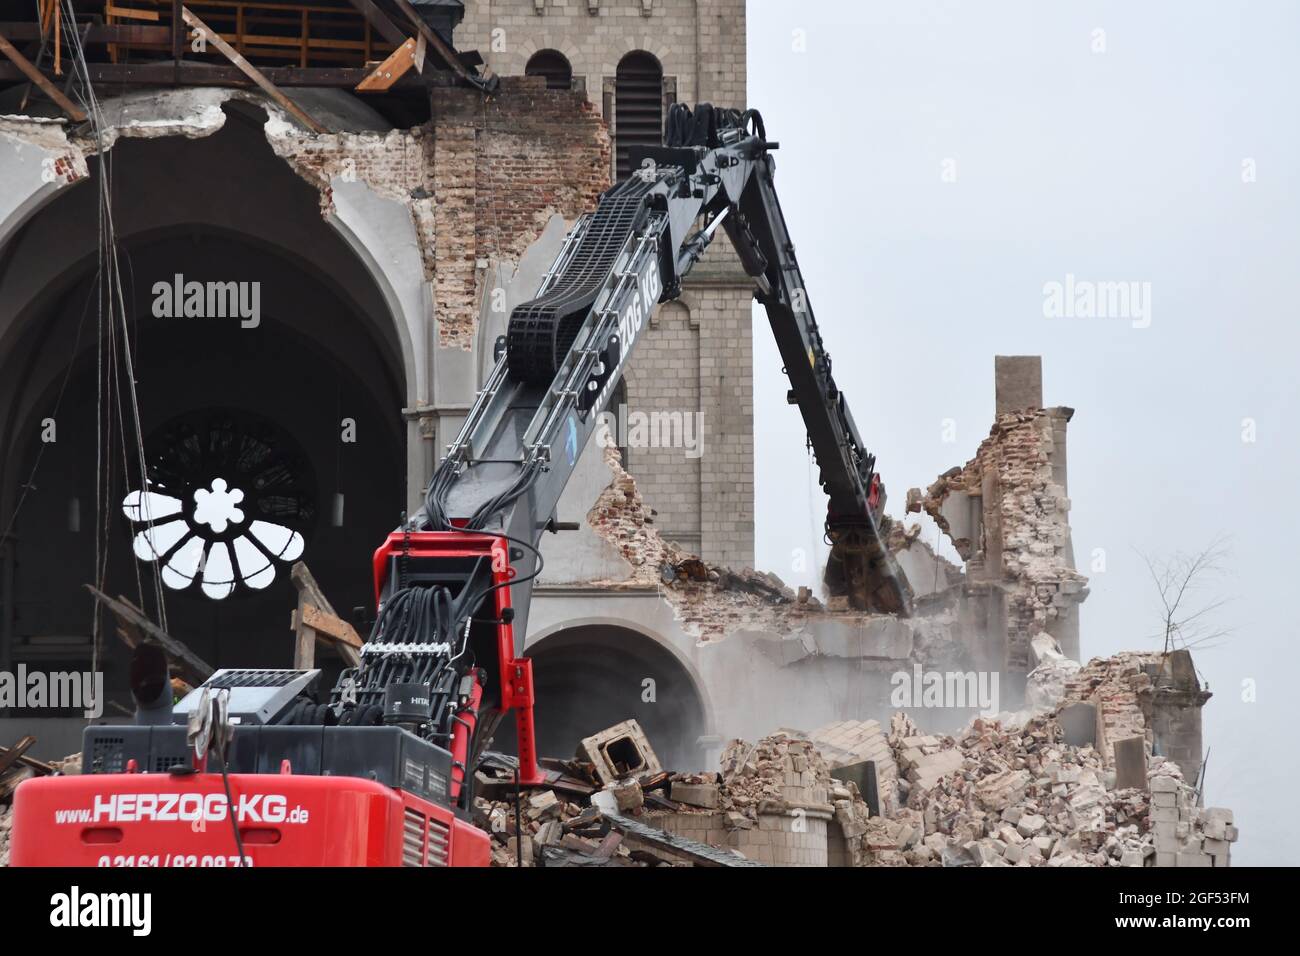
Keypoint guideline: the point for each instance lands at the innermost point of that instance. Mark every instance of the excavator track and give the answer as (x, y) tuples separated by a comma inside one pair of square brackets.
[(542, 330)]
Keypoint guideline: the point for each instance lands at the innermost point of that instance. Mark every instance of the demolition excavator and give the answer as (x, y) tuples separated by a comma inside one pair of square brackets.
[(252, 768)]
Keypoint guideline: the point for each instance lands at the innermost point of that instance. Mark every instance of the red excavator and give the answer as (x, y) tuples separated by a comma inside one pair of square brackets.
[(251, 768)]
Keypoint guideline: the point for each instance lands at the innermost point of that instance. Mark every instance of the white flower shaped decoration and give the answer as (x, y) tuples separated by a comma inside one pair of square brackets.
[(211, 542)]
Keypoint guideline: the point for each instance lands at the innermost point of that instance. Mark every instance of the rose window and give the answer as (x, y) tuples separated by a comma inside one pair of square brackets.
[(227, 500)]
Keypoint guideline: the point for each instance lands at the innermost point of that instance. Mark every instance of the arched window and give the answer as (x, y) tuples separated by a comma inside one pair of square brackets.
[(638, 106), (553, 65)]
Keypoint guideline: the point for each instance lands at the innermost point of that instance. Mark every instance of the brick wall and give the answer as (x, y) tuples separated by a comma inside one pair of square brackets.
[(705, 57), (481, 180), (697, 357), (1021, 545), (726, 396), (1120, 687), (664, 378), (503, 165)]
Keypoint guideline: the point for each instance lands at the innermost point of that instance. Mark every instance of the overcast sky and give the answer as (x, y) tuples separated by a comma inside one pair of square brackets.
[(1119, 155)]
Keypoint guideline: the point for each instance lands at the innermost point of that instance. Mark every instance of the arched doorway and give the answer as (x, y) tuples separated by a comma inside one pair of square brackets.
[(589, 677)]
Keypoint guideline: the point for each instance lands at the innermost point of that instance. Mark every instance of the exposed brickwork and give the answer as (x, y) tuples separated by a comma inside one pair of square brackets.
[(481, 181), (1121, 690), (620, 516), (709, 602), (698, 361), (1023, 542), (397, 165), (707, 608), (455, 180), (507, 163)]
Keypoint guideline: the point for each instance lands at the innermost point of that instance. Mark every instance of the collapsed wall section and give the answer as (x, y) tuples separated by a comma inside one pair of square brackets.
[(481, 179), (504, 165), (1007, 514)]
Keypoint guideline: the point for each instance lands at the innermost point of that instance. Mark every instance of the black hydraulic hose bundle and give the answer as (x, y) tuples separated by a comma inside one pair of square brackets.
[(700, 126), (435, 497)]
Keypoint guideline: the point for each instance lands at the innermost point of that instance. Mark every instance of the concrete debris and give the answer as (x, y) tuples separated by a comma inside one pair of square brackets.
[(1046, 683), (1021, 796), (1120, 689), (647, 842), (772, 803), (858, 751), (620, 752), (852, 794), (704, 795), (627, 794)]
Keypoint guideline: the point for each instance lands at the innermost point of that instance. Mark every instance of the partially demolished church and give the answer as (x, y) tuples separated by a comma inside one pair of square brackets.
[(319, 231)]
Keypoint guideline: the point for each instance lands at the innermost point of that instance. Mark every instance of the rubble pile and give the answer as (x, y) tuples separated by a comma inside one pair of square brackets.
[(1121, 687), (710, 602), (1017, 796), (1013, 790), (547, 823), (770, 802), (775, 772), (1006, 796), (594, 808)]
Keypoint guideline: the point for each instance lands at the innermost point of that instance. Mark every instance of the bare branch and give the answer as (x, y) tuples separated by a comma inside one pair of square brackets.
[(1176, 579)]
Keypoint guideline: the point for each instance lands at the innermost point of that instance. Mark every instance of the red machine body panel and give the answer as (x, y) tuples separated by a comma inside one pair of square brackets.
[(516, 672), (159, 820)]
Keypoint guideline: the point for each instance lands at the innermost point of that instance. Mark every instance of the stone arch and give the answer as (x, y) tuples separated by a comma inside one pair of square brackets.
[(625, 44), (591, 672), (638, 106), (379, 231), (530, 46), (552, 64), (342, 334), (391, 257)]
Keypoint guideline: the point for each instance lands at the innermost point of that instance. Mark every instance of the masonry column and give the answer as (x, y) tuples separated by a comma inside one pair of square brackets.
[(724, 296), (1176, 714)]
